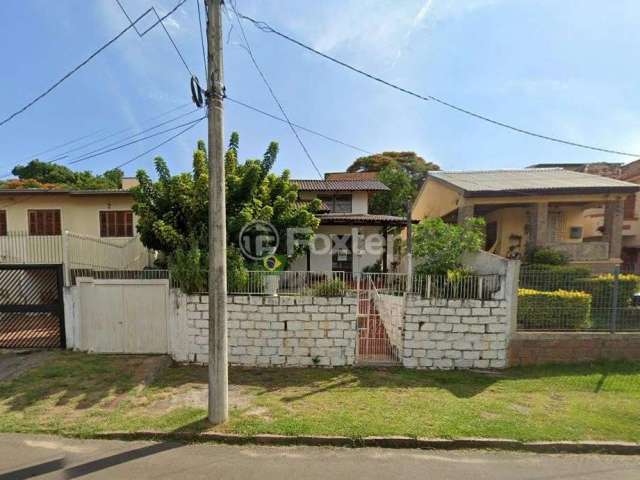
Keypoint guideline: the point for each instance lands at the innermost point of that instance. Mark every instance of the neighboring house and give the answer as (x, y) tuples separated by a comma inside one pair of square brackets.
[(33, 223), (345, 220), (594, 217), (530, 208)]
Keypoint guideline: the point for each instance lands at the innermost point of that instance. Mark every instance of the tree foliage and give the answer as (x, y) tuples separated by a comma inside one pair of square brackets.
[(37, 174), (414, 165), (401, 190), (438, 246), (173, 211)]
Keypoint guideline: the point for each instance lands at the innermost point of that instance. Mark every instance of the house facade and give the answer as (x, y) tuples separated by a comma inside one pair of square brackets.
[(529, 208), (349, 238), (594, 217), (80, 228)]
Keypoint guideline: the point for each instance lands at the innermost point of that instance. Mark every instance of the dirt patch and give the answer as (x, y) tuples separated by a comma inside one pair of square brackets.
[(195, 395), (15, 364), (144, 374)]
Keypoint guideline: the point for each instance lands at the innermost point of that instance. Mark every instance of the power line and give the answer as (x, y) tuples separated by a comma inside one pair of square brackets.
[(103, 152), (273, 95), (111, 135), (161, 144), (148, 129), (275, 117), (265, 27), (153, 9), (204, 55), (87, 60)]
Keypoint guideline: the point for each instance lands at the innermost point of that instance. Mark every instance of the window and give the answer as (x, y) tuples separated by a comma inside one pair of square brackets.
[(337, 203), (116, 223), (44, 222), (575, 233), (3, 222)]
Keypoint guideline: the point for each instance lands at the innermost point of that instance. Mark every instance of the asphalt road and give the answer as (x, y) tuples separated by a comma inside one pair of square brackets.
[(28, 456)]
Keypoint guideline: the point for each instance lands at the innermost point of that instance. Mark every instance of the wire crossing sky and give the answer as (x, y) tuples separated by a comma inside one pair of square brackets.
[(538, 64)]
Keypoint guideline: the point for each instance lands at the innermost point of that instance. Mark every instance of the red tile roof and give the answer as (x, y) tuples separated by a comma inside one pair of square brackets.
[(340, 185), (351, 176)]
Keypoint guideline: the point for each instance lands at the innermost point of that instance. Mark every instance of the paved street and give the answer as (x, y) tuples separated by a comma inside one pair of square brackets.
[(28, 456)]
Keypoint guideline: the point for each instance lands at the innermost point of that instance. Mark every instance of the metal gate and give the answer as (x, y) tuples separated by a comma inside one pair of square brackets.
[(31, 306), (374, 346)]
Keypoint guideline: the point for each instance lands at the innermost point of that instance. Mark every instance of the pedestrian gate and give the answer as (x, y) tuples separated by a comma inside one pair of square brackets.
[(31, 306)]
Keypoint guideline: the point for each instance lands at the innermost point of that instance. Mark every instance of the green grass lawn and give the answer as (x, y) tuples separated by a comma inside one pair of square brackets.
[(81, 394)]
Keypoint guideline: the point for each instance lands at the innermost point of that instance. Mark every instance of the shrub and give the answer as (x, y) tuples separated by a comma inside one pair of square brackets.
[(187, 269), (601, 289), (552, 277), (237, 274), (438, 246), (548, 256), (330, 288), (559, 310)]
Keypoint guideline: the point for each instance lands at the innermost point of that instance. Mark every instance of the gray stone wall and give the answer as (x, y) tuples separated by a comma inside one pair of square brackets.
[(443, 334), (278, 331)]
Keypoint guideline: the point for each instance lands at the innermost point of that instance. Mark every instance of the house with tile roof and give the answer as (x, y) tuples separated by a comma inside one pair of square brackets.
[(594, 217), (345, 220), (531, 208)]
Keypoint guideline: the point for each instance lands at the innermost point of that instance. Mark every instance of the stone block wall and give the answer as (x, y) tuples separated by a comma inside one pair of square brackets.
[(444, 333), (278, 331)]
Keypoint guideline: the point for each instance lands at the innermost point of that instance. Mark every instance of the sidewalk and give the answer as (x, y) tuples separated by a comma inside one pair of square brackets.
[(23, 456)]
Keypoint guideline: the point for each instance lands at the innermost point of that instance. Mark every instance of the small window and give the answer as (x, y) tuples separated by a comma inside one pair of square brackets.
[(116, 223), (44, 222), (3, 223), (342, 204), (575, 233), (337, 203)]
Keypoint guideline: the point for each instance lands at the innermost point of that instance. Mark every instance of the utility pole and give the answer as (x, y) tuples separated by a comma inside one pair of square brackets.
[(218, 374)]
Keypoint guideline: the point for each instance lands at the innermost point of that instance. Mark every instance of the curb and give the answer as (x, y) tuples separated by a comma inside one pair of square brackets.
[(611, 448)]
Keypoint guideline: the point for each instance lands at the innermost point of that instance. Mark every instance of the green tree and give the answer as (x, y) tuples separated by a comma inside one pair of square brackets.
[(401, 190), (415, 166), (173, 211), (438, 246), (64, 177)]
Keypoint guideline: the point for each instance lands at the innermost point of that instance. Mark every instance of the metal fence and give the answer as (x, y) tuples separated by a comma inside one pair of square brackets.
[(570, 299), (464, 287)]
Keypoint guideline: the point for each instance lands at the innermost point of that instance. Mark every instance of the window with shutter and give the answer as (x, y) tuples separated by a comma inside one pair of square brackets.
[(44, 222), (116, 223)]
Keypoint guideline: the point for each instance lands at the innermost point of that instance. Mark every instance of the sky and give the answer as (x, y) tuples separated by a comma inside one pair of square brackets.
[(564, 69)]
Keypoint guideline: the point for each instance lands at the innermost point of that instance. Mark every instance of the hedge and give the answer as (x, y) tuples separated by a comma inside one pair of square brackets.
[(601, 290), (559, 310)]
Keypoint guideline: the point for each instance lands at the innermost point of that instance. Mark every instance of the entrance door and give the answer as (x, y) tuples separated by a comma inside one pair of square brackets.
[(342, 254)]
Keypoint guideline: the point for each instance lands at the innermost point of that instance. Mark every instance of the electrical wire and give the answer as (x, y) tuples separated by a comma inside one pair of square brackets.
[(137, 134), (204, 55), (87, 157), (66, 153), (160, 144), (280, 119), (153, 9), (273, 95), (265, 27), (86, 61)]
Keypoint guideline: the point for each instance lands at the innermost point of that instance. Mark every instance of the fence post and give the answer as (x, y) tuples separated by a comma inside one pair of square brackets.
[(65, 259), (614, 301)]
